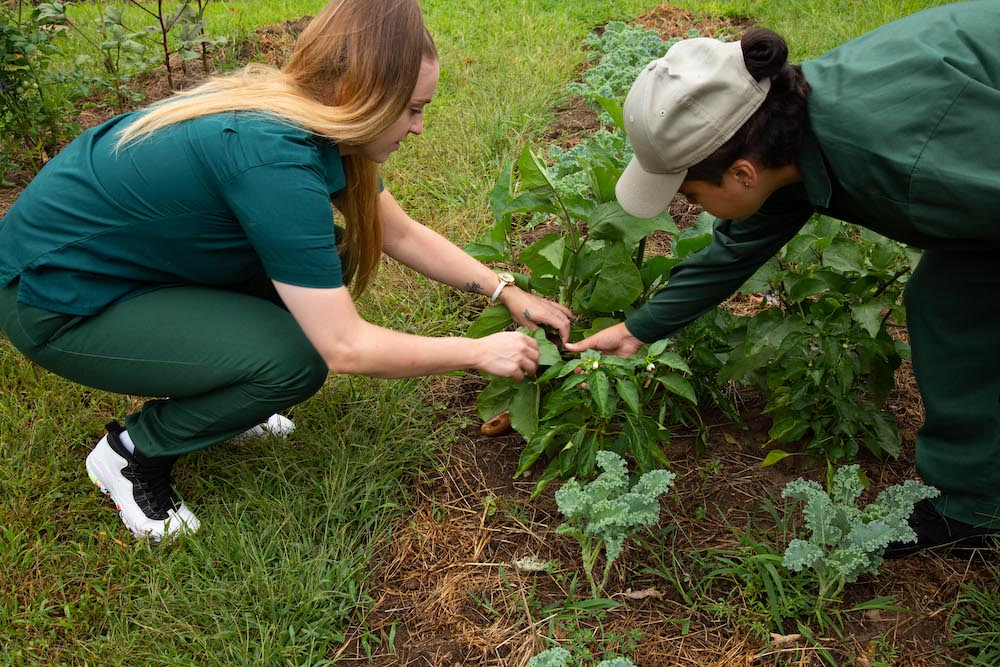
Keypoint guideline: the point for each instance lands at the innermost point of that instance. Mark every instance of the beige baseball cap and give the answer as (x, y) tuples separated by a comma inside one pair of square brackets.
[(680, 110)]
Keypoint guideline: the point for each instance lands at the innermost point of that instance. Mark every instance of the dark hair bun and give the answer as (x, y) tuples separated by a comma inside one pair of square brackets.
[(764, 52)]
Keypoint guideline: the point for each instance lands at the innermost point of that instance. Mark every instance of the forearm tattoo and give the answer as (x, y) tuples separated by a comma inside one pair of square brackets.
[(473, 287)]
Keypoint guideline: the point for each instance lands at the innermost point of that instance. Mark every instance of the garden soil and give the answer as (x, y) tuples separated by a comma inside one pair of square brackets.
[(448, 589)]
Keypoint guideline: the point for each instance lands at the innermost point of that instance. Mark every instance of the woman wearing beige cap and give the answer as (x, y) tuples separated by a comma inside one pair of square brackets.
[(898, 131)]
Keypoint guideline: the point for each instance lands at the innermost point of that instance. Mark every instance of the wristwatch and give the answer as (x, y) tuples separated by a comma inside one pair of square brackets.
[(505, 279)]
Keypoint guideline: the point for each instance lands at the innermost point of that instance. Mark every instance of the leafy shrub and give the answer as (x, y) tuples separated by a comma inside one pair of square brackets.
[(823, 357), (846, 541), (32, 117), (604, 513), (600, 269)]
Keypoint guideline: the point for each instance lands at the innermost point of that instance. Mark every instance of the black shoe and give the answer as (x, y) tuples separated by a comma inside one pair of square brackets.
[(935, 530)]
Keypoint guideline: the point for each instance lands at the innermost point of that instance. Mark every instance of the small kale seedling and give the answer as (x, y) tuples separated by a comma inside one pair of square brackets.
[(560, 657), (846, 541), (607, 511)]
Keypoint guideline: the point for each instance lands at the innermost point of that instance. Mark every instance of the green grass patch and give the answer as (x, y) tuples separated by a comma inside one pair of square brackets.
[(812, 27)]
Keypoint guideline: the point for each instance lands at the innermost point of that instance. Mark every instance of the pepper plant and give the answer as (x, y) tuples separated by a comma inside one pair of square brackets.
[(824, 357)]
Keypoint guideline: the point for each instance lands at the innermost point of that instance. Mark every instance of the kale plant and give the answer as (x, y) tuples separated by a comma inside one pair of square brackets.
[(607, 511), (846, 541), (621, 51), (560, 657)]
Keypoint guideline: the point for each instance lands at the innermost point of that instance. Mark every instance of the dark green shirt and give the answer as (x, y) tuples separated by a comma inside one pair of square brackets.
[(214, 201), (904, 140)]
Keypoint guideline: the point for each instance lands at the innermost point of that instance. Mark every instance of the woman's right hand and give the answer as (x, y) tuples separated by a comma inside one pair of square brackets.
[(508, 354)]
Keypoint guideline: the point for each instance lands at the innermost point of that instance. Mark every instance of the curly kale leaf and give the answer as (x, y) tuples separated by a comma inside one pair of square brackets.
[(846, 541)]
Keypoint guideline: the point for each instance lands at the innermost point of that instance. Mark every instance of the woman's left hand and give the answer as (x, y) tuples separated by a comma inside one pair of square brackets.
[(530, 311)]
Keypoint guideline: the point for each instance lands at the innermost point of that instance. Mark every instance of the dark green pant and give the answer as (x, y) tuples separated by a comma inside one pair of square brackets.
[(954, 323), (226, 360)]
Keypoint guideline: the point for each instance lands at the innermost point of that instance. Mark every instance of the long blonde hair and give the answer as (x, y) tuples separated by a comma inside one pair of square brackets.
[(349, 78)]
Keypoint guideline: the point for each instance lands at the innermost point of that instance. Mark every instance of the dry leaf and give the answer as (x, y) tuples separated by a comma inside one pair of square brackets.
[(784, 640), (643, 594)]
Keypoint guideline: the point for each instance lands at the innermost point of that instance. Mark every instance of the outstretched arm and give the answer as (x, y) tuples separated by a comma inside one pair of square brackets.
[(427, 252), (349, 344)]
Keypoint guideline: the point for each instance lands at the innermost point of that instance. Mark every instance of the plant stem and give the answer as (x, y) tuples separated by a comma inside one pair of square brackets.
[(889, 282), (640, 253)]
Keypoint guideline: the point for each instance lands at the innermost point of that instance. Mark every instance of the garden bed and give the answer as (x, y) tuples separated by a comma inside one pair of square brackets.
[(448, 592)]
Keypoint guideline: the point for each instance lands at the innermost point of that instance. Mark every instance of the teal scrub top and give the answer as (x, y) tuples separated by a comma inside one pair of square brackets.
[(904, 139), (214, 201)]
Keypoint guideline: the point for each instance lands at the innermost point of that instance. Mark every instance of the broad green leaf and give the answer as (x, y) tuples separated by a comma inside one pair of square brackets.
[(912, 255), (587, 454), (888, 435), (695, 237), (614, 110), (760, 281), (740, 365), (524, 409), (869, 314), (602, 177), (548, 352), (657, 269), (600, 390), (551, 373), (803, 288), (618, 285), (537, 445), (827, 228), (533, 172), (501, 195), (657, 348), (788, 429), (678, 385), (768, 330), (629, 393), (610, 222), (485, 253), (495, 398), (800, 248), (844, 255), (570, 366), (544, 256), (672, 360), (773, 457), (491, 320), (600, 324), (837, 283), (531, 202)]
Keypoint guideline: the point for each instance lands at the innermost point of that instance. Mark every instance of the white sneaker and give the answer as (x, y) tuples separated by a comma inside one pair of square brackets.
[(275, 425), (140, 487)]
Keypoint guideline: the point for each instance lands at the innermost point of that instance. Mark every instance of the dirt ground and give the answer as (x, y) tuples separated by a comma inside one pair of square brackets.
[(448, 590)]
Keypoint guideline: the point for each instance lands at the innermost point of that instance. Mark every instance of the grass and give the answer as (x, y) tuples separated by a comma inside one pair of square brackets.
[(812, 27), (292, 529)]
